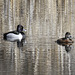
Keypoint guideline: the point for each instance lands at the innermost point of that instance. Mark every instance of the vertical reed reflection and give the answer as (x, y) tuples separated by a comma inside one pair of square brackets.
[(45, 21)]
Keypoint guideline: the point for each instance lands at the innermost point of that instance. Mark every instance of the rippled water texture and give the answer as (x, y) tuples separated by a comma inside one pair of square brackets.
[(45, 22)]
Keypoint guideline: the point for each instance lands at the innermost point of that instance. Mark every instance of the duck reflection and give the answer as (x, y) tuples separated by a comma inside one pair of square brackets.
[(17, 35), (68, 47), (20, 43), (66, 41)]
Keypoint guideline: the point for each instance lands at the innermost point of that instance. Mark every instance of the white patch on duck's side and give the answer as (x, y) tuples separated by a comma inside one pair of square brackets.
[(13, 37), (20, 36)]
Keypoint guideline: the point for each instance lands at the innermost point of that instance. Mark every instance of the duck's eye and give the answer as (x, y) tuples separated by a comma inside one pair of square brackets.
[(70, 37)]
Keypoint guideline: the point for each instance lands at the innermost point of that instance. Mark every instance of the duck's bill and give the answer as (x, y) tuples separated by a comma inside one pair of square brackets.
[(24, 30)]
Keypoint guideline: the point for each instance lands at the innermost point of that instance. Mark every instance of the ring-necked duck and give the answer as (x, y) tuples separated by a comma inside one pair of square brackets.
[(67, 39), (17, 35)]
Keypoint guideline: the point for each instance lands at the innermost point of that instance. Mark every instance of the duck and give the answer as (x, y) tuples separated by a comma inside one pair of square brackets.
[(17, 35), (66, 40)]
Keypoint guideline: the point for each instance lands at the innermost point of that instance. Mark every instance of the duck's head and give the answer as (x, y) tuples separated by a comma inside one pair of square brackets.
[(20, 28), (68, 35)]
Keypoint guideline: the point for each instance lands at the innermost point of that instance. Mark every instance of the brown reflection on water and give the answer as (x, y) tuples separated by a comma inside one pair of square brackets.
[(45, 22), (42, 58)]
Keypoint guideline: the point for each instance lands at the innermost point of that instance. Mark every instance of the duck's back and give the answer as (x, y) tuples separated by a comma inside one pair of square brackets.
[(63, 40)]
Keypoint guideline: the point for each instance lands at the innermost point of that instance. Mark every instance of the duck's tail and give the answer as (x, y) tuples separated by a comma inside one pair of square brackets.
[(5, 36)]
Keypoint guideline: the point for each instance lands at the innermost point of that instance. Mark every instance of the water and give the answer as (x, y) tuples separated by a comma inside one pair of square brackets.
[(45, 22), (36, 58)]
